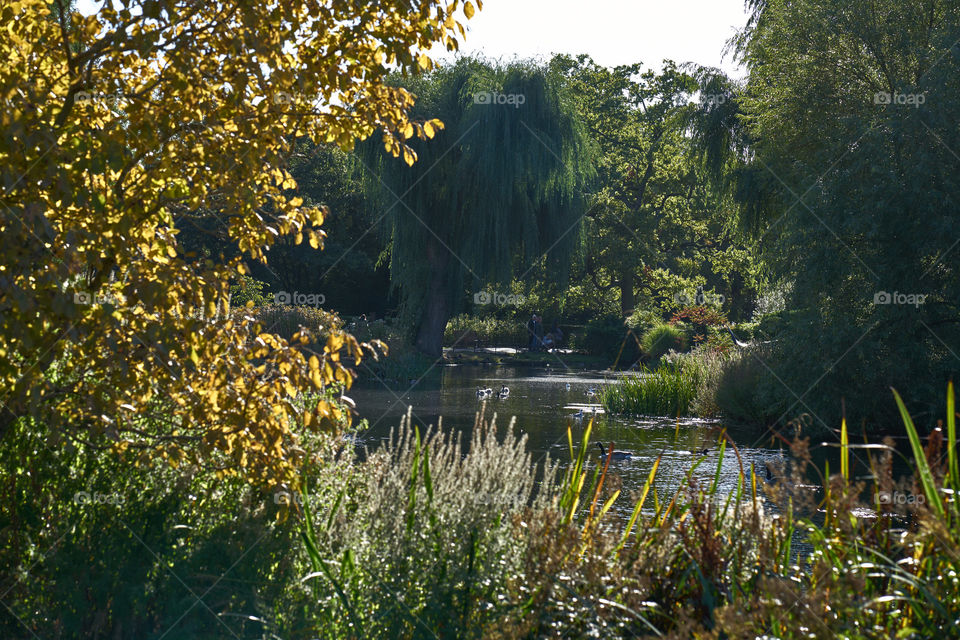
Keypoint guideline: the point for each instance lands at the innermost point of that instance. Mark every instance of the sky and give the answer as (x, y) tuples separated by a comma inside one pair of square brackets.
[(612, 32)]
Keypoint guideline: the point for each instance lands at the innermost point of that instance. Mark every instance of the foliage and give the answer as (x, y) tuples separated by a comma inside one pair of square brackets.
[(695, 561), (609, 337), (464, 329), (848, 131), (668, 390), (247, 289), (424, 538), (707, 365), (287, 321), (740, 392), (652, 226), (95, 546), (421, 536), (497, 190), (701, 318), (116, 126), (663, 338)]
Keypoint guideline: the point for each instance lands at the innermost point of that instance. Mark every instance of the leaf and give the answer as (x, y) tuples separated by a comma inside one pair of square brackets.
[(844, 452), (468, 9), (926, 476)]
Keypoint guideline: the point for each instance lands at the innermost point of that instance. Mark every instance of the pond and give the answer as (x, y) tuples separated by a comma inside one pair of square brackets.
[(544, 401)]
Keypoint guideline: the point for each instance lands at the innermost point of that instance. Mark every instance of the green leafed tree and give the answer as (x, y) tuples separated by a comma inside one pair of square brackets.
[(498, 190), (654, 227), (850, 119)]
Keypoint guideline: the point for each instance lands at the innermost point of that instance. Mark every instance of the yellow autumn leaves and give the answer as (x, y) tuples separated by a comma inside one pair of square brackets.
[(121, 128)]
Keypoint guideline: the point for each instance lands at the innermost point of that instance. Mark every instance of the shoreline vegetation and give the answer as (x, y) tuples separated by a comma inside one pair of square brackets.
[(425, 538)]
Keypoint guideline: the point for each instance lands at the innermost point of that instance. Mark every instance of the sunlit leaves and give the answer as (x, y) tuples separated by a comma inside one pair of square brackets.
[(118, 135)]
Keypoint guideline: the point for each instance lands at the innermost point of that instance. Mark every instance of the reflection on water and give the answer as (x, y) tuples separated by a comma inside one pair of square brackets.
[(545, 401)]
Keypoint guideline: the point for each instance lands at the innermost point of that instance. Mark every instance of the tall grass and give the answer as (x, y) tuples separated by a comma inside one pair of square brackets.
[(668, 390), (663, 338), (415, 554)]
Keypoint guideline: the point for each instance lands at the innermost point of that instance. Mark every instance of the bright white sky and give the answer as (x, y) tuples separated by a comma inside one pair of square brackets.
[(612, 32)]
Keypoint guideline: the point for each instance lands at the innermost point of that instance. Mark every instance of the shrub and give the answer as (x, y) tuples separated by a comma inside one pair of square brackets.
[(286, 320), (105, 547), (663, 338), (463, 330), (608, 336), (706, 365), (700, 319), (738, 390), (247, 289), (422, 536)]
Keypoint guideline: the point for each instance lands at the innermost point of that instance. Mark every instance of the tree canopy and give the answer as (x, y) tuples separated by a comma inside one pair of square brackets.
[(499, 188), (114, 122), (848, 142)]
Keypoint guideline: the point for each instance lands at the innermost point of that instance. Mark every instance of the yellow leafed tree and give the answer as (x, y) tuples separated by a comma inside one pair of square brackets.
[(114, 123)]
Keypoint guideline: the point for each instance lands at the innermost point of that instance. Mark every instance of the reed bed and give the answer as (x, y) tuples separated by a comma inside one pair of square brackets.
[(416, 553), (668, 390)]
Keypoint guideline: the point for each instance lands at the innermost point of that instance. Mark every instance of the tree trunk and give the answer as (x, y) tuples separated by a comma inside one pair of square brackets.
[(627, 301), (436, 307)]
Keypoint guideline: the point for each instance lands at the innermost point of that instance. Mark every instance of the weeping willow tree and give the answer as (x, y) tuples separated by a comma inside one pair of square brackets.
[(497, 191)]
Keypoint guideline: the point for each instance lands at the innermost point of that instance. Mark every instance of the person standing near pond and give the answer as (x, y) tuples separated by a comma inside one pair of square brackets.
[(534, 330), (538, 332)]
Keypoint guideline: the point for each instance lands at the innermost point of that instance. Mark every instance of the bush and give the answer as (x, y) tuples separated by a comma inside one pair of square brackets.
[(286, 320), (706, 365), (663, 338), (108, 545), (738, 390), (422, 536), (248, 289), (606, 337), (463, 330)]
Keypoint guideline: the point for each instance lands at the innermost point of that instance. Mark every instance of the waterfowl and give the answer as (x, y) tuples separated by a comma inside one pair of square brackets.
[(568, 386), (578, 415), (504, 392), (482, 393), (700, 452), (617, 454), (592, 391)]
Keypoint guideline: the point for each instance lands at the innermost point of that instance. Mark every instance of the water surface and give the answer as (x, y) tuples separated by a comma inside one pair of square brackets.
[(544, 402)]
